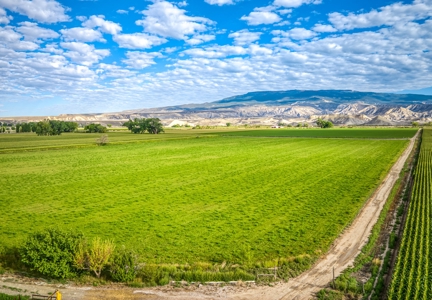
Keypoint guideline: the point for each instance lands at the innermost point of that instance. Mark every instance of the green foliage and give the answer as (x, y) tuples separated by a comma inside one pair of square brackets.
[(51, 252), (94, 256), (412, 276), (151, 125), (124, 265), (415, 124), (327, 294), (9, 297), (95, 128), (324, 124), (53, 127)]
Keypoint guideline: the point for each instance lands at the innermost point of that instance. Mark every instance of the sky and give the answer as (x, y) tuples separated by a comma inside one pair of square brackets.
[(90, 56)]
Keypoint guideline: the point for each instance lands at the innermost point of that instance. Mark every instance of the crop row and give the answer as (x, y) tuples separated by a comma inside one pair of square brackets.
[(412, 276)]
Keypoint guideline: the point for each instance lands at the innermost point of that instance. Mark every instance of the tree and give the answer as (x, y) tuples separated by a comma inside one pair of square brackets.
[(43, 128), (324, 124), (94, 256), (95, 128), (415, 124), (154, 126), (228, 124), (103, 140), (51, 252)]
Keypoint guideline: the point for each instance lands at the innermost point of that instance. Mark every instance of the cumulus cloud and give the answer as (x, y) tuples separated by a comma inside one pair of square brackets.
[(167, 20), (294, 3), (138, 40), (387, 15), (84, 54), (103, 25), (323, 28), (13, 40), (4, 18), (44, 11), (244, 37), (296, 33), (200, 38), (219, 2), (32, 32), (81, 34), (140, 60), (122, 11), (259, 17)]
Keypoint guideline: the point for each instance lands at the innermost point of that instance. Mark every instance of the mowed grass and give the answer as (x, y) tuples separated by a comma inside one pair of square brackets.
[(374, 133), (211, 199)]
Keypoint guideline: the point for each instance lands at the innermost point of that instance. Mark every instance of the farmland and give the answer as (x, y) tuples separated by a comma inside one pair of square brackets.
[(370, 133), (412, 276), (197, 199)]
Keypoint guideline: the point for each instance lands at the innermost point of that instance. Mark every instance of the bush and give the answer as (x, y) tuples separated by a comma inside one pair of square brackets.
[(124, 266), (51, 253), (8, 297)]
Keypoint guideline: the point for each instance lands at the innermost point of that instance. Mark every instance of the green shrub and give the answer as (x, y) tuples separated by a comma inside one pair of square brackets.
[(124, 265), (51, 253)]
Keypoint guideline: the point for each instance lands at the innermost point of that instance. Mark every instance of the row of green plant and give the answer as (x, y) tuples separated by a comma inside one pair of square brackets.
[(412, 278), (348, 285)]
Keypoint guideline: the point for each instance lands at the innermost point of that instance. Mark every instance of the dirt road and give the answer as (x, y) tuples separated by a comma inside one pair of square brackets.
[(340, 256)]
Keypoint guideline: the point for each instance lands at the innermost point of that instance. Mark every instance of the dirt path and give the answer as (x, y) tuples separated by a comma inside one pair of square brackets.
[(340, 256)]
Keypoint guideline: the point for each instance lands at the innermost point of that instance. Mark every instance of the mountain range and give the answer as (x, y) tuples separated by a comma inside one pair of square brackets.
[(342, 107)]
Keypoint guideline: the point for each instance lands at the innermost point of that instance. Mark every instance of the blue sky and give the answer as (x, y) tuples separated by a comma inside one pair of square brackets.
[(77, 56)]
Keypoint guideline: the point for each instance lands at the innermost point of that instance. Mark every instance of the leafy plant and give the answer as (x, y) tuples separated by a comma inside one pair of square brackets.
[(51, 252)]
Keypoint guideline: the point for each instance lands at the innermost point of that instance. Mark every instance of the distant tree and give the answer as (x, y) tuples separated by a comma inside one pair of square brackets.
[(228, 124), (324, 124), (305, 125), (415, 124), (109, 125), (95, 128), (152, 125), (43, 128)]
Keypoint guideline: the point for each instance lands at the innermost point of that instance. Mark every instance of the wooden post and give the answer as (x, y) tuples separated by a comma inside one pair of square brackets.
[(334, 284)]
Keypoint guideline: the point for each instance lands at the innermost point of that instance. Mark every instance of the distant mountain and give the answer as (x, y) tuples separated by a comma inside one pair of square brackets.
[(271, 107)]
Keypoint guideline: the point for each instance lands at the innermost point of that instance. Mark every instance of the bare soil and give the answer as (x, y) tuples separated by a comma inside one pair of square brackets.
[(305, 286)]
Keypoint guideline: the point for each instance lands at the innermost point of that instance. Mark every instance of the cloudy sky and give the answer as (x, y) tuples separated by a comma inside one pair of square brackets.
[(77, 56)]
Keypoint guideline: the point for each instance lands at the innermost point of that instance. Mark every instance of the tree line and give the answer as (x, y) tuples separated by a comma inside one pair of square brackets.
[(47, 127)]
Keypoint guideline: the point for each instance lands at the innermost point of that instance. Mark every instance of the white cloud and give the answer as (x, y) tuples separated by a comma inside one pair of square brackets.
[(219, 2), (138, 40), (4, 18), (12, 40), (121, 11), (84, 54), (103, 25), (32, 32), (81, 34), (140, 60), (44, 11), (167, 20), (261, 17), (244, 37), (387, 15), (294, 3), (200, 38), (323, 28), (296, 33)]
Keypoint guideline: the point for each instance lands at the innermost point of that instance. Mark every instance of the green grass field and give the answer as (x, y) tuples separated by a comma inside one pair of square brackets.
[(200, 199), (370, 133)]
